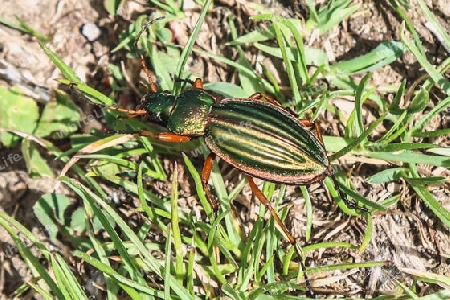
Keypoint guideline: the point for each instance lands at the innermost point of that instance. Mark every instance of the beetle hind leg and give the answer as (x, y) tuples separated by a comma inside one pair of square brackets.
[(318, 132), (350, 204), (283, 227)]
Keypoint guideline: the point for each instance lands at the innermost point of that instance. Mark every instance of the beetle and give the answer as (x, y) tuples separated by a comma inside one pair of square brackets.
[(256, 135)]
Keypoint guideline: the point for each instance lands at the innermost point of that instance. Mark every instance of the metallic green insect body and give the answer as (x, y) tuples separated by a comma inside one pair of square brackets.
[(261, 138), (182, 115), (266, 141), (256, 135)]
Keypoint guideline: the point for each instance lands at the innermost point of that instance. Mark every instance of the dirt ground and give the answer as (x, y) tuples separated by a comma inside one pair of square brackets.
[(409, 235)]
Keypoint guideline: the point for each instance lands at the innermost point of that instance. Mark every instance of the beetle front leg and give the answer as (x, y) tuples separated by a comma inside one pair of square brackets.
[(283, 227), (129, 113), (165, 136), (207, 167), (206, 173)]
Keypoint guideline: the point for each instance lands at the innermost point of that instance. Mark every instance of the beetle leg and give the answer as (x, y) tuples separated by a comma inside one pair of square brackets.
[(280, 223), (207, 167), (259, 96), (310, 123), (165, 136), (198, 84), (350, 204), (130, 113)]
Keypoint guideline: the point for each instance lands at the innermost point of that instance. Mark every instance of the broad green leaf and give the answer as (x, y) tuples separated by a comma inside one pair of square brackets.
[(385, 176), (61, 117), (49, 207), (382, 55), (36, 165), (226, 89), (253, 37), (17, 113)]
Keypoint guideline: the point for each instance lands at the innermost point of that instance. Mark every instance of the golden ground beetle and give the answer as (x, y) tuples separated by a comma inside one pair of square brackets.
[(255, 135)]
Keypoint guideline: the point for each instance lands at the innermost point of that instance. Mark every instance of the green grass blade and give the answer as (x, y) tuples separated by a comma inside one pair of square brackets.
[(428, 67), (152, 263), (267, 85), (384, 54), (308, 212), (125, 283), (409, 24), (367, 234), (31, 260), (199, 188), (22, 26), (281, 35), (168, 264), (190, 44), (179, 257), (357, 113), (65, 69), (348, 266), (430, 17), (412, 158), (66, 278), (441, 106), (249, 84), (358, 140), (93, 94), (442, 213)]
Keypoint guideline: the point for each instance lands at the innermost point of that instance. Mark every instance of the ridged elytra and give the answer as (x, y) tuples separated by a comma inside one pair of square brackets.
[(255, 135)]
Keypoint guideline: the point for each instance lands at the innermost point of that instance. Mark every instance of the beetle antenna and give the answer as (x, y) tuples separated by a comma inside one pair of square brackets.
[(130, 113), (153, 86), (184, 80)]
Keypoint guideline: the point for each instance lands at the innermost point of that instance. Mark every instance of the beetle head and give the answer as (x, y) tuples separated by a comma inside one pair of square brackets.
[(158, 106)]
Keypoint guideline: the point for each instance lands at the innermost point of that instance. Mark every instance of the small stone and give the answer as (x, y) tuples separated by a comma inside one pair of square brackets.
[(90, 31)]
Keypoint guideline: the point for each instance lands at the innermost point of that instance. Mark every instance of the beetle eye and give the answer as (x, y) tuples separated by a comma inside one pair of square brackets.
[(155, 118)]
